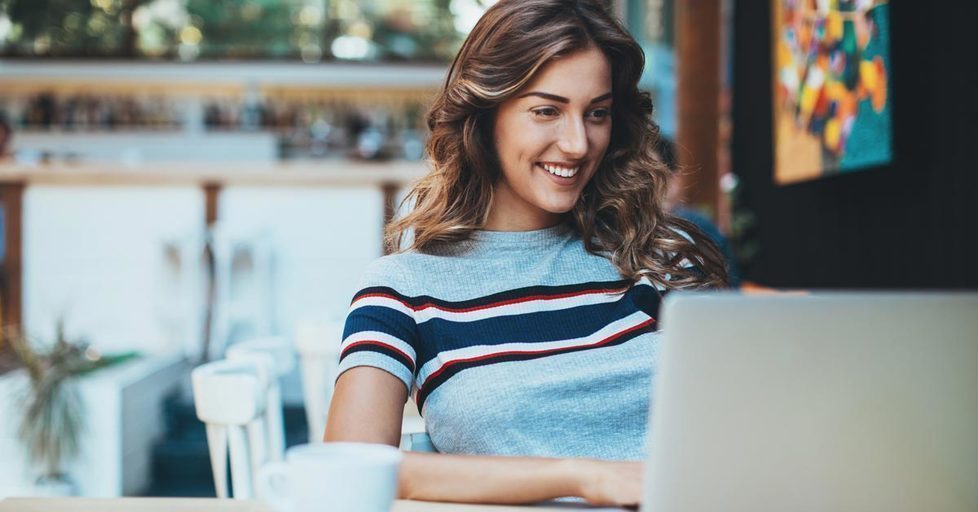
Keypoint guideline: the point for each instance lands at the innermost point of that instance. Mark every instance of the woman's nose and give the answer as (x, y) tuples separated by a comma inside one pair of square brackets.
[(573, 139)]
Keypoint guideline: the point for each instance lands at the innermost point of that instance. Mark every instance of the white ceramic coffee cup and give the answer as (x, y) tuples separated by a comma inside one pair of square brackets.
[(347, 477)]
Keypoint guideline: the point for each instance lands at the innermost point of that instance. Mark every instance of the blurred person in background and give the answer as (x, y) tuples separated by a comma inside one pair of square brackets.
[(666, 153), (521, 309)]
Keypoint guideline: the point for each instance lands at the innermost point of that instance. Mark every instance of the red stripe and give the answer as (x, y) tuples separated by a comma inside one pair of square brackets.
[(384, 295), (508, 302), (520, 300), (609, 339), (374, 342)]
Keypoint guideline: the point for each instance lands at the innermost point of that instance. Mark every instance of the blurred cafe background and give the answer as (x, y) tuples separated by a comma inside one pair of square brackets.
[(180, 177)]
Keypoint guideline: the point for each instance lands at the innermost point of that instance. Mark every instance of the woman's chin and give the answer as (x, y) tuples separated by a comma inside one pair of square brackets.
[(559, 208)]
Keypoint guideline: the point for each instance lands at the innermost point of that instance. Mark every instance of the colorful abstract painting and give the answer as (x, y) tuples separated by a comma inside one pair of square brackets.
[(832, 101)]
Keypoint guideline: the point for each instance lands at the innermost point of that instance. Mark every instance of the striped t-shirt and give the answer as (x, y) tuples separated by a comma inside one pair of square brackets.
[(512, 343)]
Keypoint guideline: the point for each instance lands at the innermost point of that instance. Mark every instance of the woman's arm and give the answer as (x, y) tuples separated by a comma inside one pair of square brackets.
[(368, 405)]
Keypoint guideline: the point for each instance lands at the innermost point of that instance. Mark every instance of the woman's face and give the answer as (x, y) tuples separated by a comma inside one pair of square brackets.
[(550, 138)]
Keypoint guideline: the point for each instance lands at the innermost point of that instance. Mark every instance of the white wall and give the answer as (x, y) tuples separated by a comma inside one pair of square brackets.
[(323, 239), (95, 255)]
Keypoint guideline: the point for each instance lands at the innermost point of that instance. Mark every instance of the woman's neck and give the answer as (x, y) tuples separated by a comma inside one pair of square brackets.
[(518, 223), (510, 212)]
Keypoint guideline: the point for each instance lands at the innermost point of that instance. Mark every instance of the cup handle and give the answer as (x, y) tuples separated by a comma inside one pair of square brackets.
[(267, 492)]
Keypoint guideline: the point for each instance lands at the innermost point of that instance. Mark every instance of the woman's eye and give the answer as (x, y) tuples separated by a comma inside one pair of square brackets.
[(545, 112), (600, 113)]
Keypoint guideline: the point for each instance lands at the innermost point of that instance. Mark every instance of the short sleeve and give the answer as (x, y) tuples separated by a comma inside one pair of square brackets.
[(380, 330)]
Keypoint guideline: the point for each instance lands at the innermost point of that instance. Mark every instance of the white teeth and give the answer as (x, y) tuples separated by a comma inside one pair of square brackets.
[(560, 171)]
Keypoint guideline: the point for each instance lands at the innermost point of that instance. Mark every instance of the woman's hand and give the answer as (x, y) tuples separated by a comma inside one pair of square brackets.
[(606, 483)]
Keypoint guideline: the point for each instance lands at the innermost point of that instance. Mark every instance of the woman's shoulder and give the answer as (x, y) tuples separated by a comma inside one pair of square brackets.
[(401, 271), (389, 271)]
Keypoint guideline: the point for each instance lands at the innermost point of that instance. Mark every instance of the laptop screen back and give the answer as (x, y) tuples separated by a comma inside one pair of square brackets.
[(828, 402)]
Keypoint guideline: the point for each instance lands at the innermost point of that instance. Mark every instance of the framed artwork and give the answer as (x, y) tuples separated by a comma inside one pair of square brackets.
[(831, 98)]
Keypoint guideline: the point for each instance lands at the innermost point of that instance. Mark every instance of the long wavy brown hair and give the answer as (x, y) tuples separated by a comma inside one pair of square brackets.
[(619, 214)]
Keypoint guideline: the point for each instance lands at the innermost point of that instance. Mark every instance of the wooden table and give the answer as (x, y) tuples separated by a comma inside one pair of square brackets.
[(216, 505)]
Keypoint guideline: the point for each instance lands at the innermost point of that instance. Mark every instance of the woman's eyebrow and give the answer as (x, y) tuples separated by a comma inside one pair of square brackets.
[(561, 99)]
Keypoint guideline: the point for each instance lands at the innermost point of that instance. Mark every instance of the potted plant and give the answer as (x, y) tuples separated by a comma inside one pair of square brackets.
[(53, 411)]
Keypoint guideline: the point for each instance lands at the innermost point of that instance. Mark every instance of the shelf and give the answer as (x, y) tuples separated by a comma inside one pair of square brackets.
[(314, 173), (219, 77)]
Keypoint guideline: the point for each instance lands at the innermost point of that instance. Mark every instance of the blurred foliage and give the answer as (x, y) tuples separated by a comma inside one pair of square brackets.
[(311, 30), (53, 414), (60, 28), (232, 28)]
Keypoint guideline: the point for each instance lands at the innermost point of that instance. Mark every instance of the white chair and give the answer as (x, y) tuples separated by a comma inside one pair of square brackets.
[(277, 358), (181, 292), (414, 438), (318, 345), (229, 397), (244, 285)]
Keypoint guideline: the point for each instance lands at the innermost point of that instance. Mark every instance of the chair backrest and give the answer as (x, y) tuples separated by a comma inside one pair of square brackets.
[(276, 357), (318, 345), (244, 284), (230, 398), (414, 437), (418, 442), (281, 351), (183, 291)]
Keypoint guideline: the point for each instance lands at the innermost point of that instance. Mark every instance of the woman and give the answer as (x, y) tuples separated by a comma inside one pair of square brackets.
[(522, 314)]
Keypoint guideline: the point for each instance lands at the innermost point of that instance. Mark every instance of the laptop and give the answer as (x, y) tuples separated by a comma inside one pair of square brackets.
[(832, 402)]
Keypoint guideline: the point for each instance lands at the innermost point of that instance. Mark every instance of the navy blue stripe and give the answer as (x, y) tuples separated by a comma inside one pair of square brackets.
[(649, 299), (441, 335), (507, 295), (382, 319), (380, 349), (452, 370)]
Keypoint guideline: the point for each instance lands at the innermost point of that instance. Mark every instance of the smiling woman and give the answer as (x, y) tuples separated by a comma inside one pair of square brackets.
[(520, 311), (550, 141)]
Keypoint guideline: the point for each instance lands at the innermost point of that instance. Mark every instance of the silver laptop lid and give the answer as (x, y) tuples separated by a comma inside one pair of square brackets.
[(828, 402)]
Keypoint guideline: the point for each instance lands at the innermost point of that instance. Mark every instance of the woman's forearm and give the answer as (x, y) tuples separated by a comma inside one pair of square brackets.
[(368, 405), (487, 479)]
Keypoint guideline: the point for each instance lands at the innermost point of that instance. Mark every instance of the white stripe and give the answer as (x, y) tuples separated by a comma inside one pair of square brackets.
[(385, 302), (449, 356), (520, 308), (383, 338)]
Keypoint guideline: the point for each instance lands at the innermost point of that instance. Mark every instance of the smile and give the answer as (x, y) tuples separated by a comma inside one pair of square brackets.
[(557, 170)]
